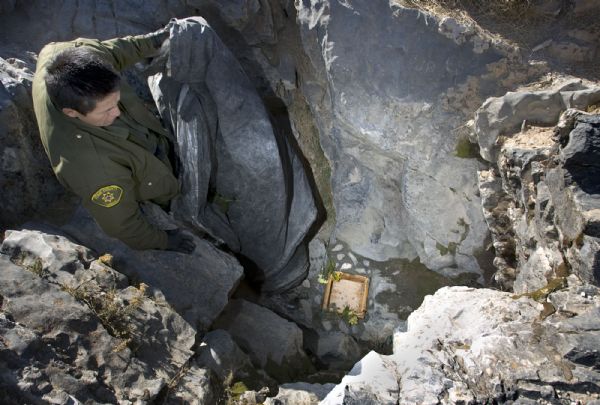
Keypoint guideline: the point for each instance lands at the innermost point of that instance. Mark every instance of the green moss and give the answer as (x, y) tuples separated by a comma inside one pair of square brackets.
[(465, 149), (327, 271), (222, 202), (349, 316), (238, 389)]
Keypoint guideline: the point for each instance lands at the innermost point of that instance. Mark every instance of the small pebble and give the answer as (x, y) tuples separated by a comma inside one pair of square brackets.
[(337, 248), (341, 256), (346, 266), (353, 258), (360, 270), (366, 263), (306, 284)]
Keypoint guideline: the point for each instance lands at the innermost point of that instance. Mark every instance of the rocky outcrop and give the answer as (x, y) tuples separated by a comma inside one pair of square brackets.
[(541, 201), (25, 173), (74, 330), (534, 345), (466, 345), (507, 114), (383, 127), (198, 286)]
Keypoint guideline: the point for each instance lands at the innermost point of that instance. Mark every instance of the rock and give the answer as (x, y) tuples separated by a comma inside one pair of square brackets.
[(300, 394), (385, 137), (162, 339), (70, 350), (196, 285), (219, 353), (585, 6), (482, 345), (336, 350), (371, 381), (29, 188), (272, 343), (579, 155), (505, 115), (573, 186), (540, 204), (197, 386), (7, 6)]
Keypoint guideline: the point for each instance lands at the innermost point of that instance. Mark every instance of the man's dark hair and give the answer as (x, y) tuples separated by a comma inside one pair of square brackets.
[(77, 78)]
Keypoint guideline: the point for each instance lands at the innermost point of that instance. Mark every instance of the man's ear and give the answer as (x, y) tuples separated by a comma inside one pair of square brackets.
[(71, 112)]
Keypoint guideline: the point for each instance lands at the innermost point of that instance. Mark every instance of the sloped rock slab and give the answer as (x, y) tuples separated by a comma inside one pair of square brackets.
[(197, 285), (64, 351), (219, 353), (273, 343)]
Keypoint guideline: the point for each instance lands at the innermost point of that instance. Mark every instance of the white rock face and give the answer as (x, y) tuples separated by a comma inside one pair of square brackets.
[(399, 189), (467, 344), (372, 375)]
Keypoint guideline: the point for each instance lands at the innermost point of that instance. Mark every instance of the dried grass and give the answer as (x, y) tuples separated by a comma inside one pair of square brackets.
[(512, 20), (500, 9)]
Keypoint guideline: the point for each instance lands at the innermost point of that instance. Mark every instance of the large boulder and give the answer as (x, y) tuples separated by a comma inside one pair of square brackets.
[(197, 285), (85, 340), (273, 343), (466, 345), (219, 353)]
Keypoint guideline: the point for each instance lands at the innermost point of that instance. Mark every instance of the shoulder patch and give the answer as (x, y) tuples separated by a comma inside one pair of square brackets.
[(108, 196)]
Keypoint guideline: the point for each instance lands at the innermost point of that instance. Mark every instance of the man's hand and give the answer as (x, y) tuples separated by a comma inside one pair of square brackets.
[(159, 36), (180, 242)]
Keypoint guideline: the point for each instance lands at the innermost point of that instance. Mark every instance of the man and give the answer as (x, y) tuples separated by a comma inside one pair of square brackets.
[(102, 142)]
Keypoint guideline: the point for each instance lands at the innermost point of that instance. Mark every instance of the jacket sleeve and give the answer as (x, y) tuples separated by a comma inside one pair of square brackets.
[(113, 205), (123, 52)]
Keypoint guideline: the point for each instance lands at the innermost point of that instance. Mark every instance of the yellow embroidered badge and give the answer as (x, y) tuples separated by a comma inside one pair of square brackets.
[(108, 196)]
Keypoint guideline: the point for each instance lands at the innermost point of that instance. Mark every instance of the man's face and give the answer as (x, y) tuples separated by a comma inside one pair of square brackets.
[(105, 113)]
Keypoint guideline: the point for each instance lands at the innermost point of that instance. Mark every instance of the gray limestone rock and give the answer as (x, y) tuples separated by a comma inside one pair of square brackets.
[(482, 345), (219, 353), (372, 381), (197, 386), (273, 343), (196, 285), (335, 349), (505, 115), (541, 203), (25, 175), (300, 394), (161, 339), (399, 190), (67, 349)]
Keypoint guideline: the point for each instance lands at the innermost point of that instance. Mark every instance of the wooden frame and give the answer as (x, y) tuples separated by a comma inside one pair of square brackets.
[(344, 286)]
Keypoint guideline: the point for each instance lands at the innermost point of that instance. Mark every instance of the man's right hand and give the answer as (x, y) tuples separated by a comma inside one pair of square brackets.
[(180, 242)]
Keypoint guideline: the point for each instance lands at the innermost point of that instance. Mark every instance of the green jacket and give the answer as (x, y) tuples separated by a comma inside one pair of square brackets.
[(110, 168)]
